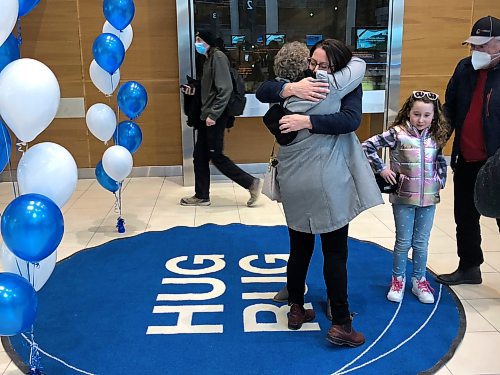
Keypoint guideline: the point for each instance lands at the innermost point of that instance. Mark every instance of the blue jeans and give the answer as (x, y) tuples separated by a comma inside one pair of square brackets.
[(413, 229)]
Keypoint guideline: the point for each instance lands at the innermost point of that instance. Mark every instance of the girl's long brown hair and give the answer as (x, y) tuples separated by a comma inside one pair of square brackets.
[(439, 129)]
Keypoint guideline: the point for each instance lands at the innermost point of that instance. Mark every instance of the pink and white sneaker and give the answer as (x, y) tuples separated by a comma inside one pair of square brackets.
[(397, 289), (422, 289)]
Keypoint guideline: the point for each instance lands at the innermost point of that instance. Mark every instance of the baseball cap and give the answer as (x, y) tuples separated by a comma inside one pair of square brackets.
[(484, 30)]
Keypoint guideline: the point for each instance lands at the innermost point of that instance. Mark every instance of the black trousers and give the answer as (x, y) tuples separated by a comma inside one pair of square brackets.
[(209, 146), (334, 246), (466, 215)]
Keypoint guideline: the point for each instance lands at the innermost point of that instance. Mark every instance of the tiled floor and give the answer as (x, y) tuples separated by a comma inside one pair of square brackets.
[(152, 204)]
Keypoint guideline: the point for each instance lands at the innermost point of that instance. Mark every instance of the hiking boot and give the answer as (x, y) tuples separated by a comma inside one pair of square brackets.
[(255, 190), (461, 276), (298, 316), (397, 290), (344, 334), (282, 295), (422, 289), (194, 201)]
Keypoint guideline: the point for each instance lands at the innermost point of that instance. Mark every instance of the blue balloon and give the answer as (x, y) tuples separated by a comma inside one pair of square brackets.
[(119, 13), (18, 304), (32, 227), (9, 51), (5, 146), (109, 52), (106, 182), (129, 135), (26, 6), (132, 99)]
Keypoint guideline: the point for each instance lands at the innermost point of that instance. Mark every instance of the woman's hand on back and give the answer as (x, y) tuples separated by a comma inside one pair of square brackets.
[(308, 89), (291, 123)]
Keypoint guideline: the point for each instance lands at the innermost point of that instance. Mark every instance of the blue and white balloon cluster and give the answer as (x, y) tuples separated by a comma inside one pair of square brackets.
[(32, 225), (109, 52)]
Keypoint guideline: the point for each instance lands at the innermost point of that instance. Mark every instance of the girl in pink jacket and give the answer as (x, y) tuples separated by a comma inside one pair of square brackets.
[(418, 169)]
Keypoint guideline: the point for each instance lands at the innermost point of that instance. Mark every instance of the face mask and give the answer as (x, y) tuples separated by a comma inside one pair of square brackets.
[(481, 60), (200, 48), (309, 73)]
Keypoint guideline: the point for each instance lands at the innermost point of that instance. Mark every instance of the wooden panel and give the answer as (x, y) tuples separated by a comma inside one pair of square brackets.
[(60, 33), (435, 83), (248, 141), (153, 52), (371, 124), (160, 124), (432, 35), (484, 8), (50, 35)]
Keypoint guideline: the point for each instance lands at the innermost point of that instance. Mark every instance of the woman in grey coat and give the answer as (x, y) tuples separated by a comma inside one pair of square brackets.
[(325, 181)]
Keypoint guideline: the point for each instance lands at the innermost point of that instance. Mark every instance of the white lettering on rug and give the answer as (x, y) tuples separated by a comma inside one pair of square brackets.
[(185, 313), (215, 263), (250, 313), (185, 320)]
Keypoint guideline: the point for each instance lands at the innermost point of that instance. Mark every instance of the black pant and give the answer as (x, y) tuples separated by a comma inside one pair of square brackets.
[(209, 146), (466, 215), (334, 246)]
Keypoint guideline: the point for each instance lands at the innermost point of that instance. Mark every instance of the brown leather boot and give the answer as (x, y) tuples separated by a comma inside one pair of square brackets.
[(298, 316), (344, 334)]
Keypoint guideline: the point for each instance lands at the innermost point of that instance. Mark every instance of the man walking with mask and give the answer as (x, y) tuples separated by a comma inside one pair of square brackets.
[(216, 89), (473, 110)]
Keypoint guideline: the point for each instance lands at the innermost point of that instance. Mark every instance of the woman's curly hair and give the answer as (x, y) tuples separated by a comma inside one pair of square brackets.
[(291, 61)]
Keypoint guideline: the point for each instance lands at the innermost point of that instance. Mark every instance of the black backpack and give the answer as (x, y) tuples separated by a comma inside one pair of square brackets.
[(237, 101)]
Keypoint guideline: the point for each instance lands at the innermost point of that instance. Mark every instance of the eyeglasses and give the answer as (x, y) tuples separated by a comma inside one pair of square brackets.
[(430, 95), (313, 64)]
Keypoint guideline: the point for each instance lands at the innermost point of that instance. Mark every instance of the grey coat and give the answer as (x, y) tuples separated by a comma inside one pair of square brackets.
[(325, 180)]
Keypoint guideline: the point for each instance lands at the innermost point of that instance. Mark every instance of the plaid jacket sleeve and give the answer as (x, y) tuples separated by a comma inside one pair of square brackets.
[(371, 145), (441, 167)]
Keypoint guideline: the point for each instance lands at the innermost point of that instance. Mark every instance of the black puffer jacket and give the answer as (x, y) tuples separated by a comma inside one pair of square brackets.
[(458, 99)]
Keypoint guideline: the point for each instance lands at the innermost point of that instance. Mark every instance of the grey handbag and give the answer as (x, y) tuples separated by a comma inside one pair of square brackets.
[(271, 187)]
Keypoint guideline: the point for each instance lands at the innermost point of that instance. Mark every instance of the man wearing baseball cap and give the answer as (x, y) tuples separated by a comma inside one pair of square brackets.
[(472, 105)]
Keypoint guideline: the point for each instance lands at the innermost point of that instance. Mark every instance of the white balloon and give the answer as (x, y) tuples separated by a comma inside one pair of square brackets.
[(105, 82), (126, 35), (117, 162), (29, 97), (50, 170), (37, 275), (9, 10), (101, 121)]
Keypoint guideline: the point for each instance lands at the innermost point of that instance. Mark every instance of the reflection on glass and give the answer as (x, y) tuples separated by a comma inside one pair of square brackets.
[(252, 31), (371, 38)]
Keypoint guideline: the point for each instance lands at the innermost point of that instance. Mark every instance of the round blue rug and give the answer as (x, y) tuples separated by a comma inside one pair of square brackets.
[(198, 300)]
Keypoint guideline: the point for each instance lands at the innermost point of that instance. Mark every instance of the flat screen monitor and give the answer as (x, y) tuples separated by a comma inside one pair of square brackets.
[(237, 39), (371, 38), (312, 39), (279, 38)]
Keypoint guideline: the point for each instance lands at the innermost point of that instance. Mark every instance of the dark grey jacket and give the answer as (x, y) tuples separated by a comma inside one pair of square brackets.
[(216, 85)]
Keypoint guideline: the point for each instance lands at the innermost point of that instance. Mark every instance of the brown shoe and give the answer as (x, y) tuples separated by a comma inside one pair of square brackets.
[(298, 316), (345, 335)]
